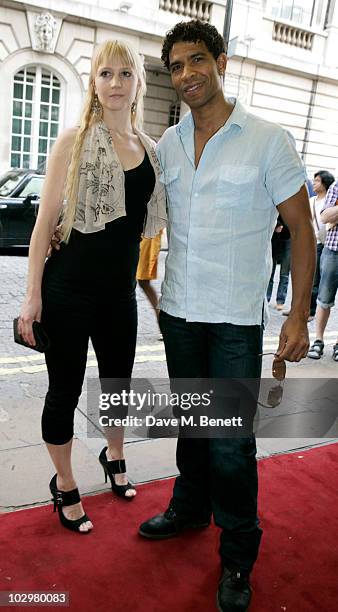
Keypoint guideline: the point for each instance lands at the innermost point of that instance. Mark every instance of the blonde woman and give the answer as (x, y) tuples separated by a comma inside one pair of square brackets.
[(107, 171)]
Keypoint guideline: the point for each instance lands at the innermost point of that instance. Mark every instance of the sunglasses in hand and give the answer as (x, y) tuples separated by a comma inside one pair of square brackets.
[(275, 394)]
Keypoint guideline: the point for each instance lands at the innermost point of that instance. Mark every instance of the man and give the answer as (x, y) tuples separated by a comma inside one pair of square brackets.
[(280, 244), (225, 172), (328, 284)]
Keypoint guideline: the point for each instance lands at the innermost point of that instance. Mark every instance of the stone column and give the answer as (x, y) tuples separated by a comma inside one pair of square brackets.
[(331, 48)]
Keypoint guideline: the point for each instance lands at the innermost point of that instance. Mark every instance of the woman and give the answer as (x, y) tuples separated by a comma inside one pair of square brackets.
[(108, 171), (321, 182)]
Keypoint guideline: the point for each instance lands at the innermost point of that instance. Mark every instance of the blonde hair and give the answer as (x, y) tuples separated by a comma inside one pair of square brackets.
[(103, 54)]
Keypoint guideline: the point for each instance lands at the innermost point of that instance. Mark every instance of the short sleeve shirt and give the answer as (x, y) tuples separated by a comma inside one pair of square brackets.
[(331, 199), (221, 215)]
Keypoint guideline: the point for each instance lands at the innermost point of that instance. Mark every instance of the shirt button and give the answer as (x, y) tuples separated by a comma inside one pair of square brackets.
[(196, 194)]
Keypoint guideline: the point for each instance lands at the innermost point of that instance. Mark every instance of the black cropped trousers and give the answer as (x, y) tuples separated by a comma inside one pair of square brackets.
[(112, 326)]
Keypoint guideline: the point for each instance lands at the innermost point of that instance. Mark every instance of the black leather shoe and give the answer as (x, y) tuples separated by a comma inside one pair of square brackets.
[(170, 524), (234, 592)]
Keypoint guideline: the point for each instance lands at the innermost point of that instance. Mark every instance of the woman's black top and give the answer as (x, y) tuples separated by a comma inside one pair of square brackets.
[(103, 264)]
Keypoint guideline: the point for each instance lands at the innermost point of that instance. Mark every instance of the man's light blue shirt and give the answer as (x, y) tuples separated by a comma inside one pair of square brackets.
[(221, 216)]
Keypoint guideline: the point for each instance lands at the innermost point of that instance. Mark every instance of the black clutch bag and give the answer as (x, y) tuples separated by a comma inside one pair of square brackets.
[(41, 338)]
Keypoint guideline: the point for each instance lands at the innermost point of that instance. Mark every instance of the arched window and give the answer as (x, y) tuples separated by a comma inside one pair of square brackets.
[(174, 113), (35, 117)]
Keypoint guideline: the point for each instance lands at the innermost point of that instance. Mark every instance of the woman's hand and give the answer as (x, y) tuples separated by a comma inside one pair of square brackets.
[(30, 311)]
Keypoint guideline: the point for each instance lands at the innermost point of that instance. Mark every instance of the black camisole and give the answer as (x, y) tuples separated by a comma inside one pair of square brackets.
[(102, 265)]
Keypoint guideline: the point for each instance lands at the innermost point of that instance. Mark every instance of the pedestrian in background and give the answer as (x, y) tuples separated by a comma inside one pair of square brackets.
[(328, 274), (321, 183), (147, 269), (281, 253)]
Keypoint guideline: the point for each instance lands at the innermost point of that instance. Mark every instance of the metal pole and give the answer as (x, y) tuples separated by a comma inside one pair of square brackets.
[(227, 23)]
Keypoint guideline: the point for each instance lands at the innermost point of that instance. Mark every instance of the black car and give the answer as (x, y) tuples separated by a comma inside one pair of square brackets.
[(20, 192)]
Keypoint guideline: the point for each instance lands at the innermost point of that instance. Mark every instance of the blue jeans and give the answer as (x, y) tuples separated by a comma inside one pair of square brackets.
[(316, 281), (217, 476), (328, 278), (281, 253)]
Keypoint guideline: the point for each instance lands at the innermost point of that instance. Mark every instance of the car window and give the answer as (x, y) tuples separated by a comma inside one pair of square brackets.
[(8, 182), (33, 186)]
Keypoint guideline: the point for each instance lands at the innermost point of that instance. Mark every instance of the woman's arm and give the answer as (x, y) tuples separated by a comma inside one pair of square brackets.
[(48, 215)]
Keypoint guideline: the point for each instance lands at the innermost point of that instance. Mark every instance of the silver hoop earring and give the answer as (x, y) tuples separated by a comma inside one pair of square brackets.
[(96, 106)]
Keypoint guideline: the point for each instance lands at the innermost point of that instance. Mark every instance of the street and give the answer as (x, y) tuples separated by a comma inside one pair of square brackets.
[(23, 384)]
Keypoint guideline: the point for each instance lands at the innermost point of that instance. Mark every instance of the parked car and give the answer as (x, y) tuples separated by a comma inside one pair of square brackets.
[(20, 192)]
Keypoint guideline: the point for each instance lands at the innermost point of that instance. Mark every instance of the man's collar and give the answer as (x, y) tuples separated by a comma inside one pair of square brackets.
[(238, 117)]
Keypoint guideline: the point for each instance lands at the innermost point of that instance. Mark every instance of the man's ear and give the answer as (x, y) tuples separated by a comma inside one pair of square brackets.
[(221, 63)]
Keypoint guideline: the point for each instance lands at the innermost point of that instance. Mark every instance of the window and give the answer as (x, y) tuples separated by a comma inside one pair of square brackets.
[(35, 117), (298, 11), (174, 113), (8, 182), (34, 185), (329, 13)]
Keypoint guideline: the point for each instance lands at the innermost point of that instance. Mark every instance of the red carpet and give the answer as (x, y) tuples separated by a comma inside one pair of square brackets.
[(115, 570)]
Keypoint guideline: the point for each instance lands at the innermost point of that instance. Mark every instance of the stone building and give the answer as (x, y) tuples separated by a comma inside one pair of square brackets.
[(283, 64)]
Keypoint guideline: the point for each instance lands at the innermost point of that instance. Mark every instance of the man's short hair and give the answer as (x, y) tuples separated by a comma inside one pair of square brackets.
[(193, 31), (326, 177)]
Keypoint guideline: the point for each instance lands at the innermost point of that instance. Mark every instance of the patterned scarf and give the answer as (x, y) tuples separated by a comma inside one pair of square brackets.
[(101, 196)]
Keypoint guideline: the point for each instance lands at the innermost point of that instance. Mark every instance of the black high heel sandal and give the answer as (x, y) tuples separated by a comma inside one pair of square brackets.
[(67, 498), (111, 468)]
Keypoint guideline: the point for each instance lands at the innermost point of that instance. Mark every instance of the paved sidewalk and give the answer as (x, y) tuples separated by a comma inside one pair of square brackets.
[(25, 468)]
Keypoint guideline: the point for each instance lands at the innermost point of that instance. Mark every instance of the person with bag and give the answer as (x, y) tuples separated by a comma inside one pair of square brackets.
[(108, 172), (328, 285), (321, 182)]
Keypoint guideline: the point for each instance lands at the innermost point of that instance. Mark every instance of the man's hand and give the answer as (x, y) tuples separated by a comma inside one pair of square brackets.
[(293, 339), (55, 241)]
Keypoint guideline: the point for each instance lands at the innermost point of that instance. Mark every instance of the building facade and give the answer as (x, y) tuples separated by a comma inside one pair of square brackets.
[(283, 64)]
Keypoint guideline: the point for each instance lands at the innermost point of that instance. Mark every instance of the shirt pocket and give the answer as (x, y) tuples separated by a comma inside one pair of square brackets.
[(170, 179), (236, 186)]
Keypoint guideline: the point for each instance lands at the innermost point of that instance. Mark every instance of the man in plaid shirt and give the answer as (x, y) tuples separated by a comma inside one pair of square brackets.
[(329, 274)]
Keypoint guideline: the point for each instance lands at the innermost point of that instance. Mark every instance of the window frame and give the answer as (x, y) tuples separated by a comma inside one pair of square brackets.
[(302, 24), (30, 178), (174, 113), (37, 159)]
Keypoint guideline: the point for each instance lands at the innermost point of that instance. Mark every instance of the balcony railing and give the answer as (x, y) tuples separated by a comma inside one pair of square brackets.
[(194, 9), (292, 35)]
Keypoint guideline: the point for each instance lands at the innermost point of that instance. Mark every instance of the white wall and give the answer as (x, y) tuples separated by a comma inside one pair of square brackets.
[(295, 87), (71, 62), (274, 79)]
